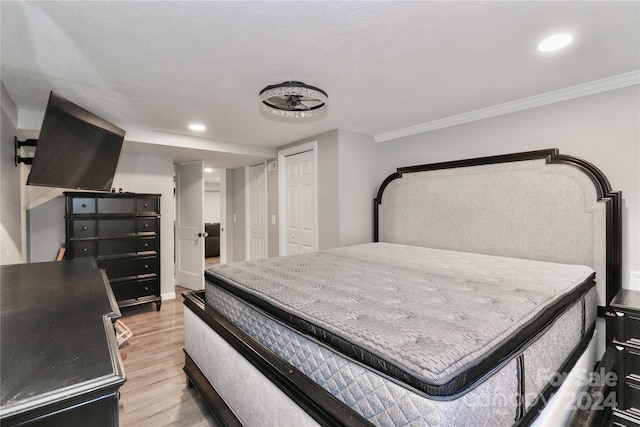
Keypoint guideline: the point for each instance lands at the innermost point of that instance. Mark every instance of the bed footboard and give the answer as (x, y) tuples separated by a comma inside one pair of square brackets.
[(216, 404), (307, 398)]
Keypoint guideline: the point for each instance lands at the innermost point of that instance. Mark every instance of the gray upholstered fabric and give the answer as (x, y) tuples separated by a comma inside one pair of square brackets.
[(526, 209), (431, 312)]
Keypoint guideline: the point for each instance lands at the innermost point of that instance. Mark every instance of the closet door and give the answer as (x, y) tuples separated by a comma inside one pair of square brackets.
[(300, 208), (257, 211)]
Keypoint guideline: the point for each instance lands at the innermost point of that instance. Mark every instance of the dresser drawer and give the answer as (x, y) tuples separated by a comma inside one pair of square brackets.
[(145, 244), (631, 395), (628, 370), (82, 205), (629, 418), (117, 268), (136, 288), (111, 227), (147, 205), (83, 228), (116, 246), (116, 205), (147, 224), (83, 248), (129, 245), (628, 326)]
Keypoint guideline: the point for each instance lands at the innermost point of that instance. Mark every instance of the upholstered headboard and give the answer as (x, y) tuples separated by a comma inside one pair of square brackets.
[(534, 205)]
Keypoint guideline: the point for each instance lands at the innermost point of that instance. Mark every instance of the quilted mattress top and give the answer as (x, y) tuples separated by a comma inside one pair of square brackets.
[(434, 319)]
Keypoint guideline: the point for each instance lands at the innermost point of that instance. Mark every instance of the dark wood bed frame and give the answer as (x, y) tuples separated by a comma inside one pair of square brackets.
[(324, 407)]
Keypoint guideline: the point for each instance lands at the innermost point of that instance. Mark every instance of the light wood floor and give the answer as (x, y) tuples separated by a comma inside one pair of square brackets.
[(211, 261), (156, 393)]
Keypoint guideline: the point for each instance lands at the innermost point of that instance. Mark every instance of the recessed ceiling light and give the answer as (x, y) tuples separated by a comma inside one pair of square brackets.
[(197, 127), (208, 170), (555, 42)]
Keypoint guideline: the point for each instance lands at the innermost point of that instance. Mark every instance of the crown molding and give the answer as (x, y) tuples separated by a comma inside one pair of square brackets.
[(572, 92)]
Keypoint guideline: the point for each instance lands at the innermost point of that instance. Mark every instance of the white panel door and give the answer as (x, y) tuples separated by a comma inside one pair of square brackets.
[(258, 211), (190, 225), (300, 203)]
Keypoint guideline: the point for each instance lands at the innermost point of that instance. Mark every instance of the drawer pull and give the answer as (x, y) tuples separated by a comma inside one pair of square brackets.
[(84, 228), (84, 205), (146, 225), (619, 348), (146, 205), (619, 314), (146, 266), (146, 245), (146, 288), (85, 250)]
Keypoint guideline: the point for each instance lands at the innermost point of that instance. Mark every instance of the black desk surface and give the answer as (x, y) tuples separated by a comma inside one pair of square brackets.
[(57, 340)]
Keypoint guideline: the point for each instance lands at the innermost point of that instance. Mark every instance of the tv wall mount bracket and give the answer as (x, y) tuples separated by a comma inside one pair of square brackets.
[(18, 145)]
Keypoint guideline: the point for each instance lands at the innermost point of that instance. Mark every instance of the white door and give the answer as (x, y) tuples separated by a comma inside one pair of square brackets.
[(257, 211), (300, 203), (190, 225)]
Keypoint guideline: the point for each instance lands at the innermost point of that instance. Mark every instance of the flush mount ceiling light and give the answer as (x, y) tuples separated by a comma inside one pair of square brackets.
[(197, 127), (555, 42), (293, 100)]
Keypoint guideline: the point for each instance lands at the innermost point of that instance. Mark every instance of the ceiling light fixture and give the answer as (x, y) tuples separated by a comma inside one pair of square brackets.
[(555, 42), (197, 127), (208, 170), (293, 100)]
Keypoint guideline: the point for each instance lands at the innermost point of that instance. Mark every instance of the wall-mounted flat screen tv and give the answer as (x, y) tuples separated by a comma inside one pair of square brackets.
[(76, 149)]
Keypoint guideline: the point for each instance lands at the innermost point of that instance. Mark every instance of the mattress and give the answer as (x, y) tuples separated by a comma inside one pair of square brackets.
[(393, 329)]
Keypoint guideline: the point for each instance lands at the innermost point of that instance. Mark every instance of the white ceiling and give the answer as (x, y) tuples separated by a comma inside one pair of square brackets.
[(387, 66)]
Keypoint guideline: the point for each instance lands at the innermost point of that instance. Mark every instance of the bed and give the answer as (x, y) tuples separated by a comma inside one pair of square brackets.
[(475, 304)]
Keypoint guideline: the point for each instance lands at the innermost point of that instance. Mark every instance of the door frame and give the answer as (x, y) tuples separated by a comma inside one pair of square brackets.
[(282, 179), (223, 215)]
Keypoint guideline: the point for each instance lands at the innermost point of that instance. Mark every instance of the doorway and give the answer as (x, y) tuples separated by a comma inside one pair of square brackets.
[(212, 214), (193, 221)]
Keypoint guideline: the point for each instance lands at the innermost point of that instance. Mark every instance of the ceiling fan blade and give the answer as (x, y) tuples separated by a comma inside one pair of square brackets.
[(281, 102), (311, 103)]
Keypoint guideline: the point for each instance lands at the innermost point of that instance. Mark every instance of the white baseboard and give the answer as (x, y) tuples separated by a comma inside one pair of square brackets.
[(634, 281), (168, 295)]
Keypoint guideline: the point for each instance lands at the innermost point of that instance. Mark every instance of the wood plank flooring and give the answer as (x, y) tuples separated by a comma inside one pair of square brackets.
[(156, 392)]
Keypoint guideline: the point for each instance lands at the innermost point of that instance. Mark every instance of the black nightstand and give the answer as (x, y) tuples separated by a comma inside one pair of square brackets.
[(626, 305)]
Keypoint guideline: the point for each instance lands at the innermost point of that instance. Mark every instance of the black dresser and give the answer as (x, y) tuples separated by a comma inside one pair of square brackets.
[(59, 360), (626, 305), (122, 232)]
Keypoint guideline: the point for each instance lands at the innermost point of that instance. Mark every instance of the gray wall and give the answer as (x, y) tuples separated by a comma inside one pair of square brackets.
[(603, 129), (46, 228), (327, 186), (12, 223), (357, 159)]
